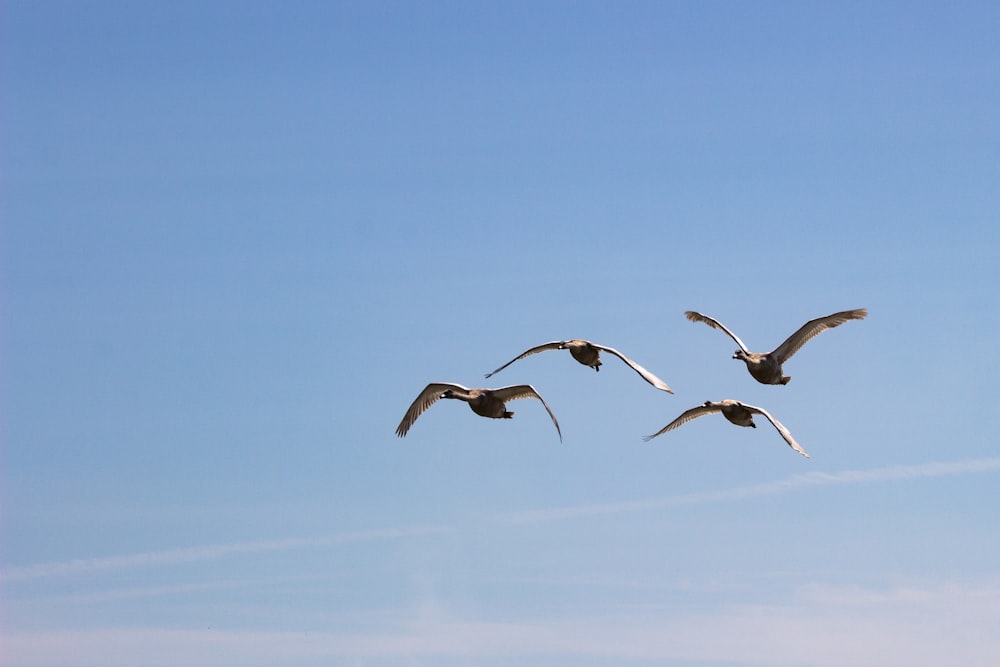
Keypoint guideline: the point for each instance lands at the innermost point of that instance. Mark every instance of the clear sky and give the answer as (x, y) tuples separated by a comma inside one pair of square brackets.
[(239, 238)]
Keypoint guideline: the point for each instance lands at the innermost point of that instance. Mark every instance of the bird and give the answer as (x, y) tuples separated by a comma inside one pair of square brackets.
[(589, 354), (484, 402), (766, 368), (736, 412)]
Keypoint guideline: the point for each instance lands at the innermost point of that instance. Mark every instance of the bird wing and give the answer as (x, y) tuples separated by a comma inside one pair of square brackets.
[(426, 399), (646, 375), (685, 417), (715, 324), (813, 328), (554, 345), (785, 433), (515, 392)]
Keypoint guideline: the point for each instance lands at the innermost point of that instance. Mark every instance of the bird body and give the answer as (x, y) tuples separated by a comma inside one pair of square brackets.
[(589, 354), (585, 352), (763, 367), (484, 402), (767, 368), (737, 413)]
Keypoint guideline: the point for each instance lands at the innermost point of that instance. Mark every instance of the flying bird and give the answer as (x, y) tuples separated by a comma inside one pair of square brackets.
[(766, 368), (589, 354), (484, 402), (738, 413)]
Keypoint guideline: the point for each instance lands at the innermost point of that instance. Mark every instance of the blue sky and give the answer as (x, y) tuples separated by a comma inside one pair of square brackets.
[(240, 237)]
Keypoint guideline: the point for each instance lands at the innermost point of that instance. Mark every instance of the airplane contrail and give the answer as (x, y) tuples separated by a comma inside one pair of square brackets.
[(210, 552), (201, 553), (793, 483)]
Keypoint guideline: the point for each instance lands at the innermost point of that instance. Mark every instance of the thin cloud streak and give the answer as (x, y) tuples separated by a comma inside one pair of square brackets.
[(211, 552), (820, 626), (793, 483), (203, 553), (167, 590)]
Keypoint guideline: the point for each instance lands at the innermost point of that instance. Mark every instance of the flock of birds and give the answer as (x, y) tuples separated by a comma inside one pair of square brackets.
[(766, 368)]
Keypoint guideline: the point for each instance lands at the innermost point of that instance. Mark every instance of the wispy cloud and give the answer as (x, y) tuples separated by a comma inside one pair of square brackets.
[(203, 553), (819, 626), (793, 483), (209, 552), (113, 594)]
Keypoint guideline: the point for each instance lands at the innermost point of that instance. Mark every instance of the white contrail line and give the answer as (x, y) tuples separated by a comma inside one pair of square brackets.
[(793, 483), (210, 552), (202, 553)]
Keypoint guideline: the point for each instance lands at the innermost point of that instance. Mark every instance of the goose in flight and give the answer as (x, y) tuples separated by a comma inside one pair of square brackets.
[(738, 413), (484, 402), (589, 354), (766, 368)]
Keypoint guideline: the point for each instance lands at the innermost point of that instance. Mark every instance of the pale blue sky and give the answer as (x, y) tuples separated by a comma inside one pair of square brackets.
[(240, 237)]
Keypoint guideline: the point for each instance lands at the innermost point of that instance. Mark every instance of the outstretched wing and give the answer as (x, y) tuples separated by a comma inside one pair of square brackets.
[(525, 391), (684, 418), (781, 428), (426, 399), (813, 328), (554, 345), (646, 375), (715, 324)]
